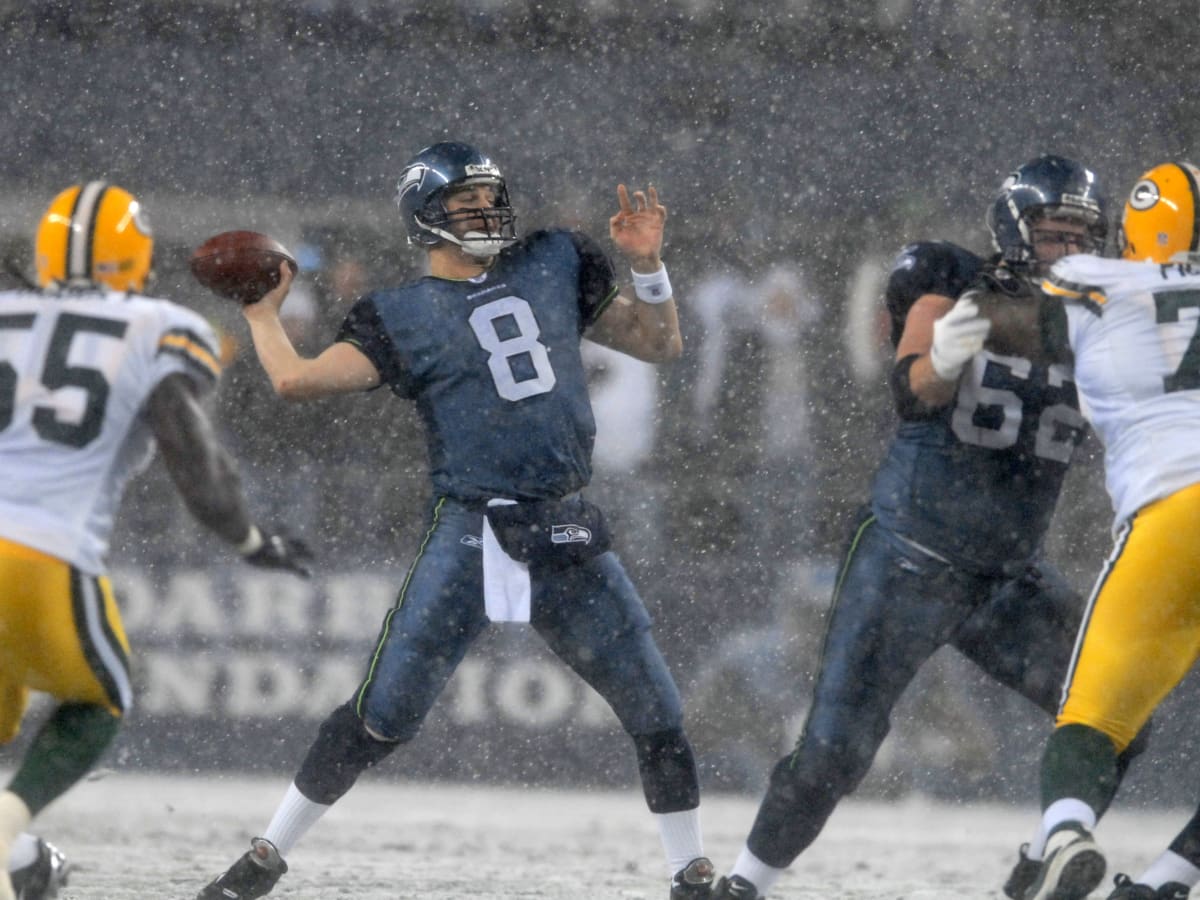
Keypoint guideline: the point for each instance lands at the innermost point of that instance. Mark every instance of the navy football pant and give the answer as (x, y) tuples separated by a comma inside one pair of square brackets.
[(590, 616), (893, 607)]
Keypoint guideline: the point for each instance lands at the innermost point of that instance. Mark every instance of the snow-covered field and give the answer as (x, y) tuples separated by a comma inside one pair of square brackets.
[(142, 836)]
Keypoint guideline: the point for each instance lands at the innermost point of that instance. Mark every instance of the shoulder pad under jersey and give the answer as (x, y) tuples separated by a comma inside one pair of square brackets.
[(927, 267)]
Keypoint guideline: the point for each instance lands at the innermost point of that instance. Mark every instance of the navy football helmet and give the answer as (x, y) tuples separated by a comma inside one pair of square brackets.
[(1049, 186), (427, 180)]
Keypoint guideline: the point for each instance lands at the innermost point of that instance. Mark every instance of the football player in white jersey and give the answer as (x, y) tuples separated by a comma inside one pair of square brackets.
[(1132, 328), (92, 377)]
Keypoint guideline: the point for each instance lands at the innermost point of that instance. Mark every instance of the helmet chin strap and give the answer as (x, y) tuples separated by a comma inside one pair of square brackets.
[(481, 245), (474, 243)]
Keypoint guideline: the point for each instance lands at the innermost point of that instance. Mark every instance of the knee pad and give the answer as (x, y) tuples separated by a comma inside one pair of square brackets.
[(342, 751), (668, 769), (827, 768)]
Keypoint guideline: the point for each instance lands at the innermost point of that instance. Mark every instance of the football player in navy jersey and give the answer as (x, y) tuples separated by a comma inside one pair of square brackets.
[(948, 548), (488, 346)]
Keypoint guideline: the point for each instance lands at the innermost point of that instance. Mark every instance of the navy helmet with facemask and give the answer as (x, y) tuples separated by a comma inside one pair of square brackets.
[(436, 172), (1046, 187)]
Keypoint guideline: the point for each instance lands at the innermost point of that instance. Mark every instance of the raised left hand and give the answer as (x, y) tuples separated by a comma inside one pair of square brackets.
[(637, 228)]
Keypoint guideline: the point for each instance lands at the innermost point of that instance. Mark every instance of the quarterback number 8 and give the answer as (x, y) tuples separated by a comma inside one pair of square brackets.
[(503, 351)]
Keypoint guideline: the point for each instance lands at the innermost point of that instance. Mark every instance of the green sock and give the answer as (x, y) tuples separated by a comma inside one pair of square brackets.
[(66, 749), (1079, 762)]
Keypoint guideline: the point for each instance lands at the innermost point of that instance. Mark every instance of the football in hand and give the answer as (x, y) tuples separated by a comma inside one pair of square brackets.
[(240, 265)]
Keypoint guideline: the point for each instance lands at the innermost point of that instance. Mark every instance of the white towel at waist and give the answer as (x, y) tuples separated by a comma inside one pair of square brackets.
[(507, 590)]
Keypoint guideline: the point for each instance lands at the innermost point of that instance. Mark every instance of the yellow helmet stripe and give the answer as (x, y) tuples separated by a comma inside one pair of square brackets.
[(82, 232)]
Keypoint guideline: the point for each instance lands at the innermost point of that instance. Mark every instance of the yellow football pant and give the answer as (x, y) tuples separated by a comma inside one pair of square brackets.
[(60, 633), (1141, 633)]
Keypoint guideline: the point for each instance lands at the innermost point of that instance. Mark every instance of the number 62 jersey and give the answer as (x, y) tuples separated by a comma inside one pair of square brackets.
[(976, 481), (1134, 329), (76, 367)]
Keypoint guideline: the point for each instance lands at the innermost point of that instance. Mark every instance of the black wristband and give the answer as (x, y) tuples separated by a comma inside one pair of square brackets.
[(908, 405)]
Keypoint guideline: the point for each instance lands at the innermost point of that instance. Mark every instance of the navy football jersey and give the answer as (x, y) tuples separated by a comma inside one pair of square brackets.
[(494, 366), (976, 481)]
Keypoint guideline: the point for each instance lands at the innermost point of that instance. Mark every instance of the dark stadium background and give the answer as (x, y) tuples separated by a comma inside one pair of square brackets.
[(817, 133)]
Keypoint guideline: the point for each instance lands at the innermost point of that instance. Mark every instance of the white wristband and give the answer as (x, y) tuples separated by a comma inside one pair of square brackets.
[(652, 288), (253, 541)]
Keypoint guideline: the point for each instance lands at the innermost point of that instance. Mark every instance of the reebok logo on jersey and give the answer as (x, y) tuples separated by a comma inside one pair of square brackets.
[(471, 541), (570, 534)]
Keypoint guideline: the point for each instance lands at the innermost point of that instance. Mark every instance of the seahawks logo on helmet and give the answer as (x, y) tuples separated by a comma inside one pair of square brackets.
[(1144, 194), (411, 180)]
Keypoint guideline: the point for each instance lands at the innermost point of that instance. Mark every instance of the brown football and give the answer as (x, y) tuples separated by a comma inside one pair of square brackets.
[(240, 265)]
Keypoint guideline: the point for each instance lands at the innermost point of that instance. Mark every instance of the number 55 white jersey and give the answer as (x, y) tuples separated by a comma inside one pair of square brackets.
[(76, 368)]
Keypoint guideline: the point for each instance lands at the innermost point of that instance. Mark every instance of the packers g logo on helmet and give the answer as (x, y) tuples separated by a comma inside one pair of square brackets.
[(95, 233), (1160, 221)]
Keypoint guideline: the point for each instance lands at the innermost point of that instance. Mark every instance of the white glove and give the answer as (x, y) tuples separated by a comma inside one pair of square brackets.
[(957, 336)]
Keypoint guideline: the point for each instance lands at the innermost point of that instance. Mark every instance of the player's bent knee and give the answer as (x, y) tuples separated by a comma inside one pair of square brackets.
[(1137, 746), (343, 750), (834, 769)]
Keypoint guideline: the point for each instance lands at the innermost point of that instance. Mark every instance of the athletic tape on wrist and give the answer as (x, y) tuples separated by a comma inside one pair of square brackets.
[(253, 541), (652, 288)]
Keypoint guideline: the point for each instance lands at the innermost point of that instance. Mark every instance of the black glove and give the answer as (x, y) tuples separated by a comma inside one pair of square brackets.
[(277, 551)]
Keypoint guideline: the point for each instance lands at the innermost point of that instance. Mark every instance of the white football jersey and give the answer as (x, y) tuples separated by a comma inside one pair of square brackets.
[(76, 368), (1135, 330)]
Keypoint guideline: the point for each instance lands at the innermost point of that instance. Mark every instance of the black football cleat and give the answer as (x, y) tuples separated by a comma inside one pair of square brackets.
[(251, 876), (1074, 866), (1125, 888), (1023, 874), (694, 881), (42, 878), (735, 887)]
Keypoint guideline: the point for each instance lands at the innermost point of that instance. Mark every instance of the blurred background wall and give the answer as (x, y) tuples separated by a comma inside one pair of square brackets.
[(797, 143)]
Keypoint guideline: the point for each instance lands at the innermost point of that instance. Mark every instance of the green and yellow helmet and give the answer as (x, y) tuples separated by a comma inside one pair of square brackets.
[(1160, 219), (94, 233)]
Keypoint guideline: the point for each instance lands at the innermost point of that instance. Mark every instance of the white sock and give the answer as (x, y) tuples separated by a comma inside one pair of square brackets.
[(294, 816), (757, 872), (1037, 846), (1059, 813), (14, 819), (1170, 867), (681, 838), (24, 851)]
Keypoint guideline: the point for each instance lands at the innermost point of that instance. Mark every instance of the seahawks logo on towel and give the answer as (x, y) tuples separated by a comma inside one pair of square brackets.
[(570, 534)]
